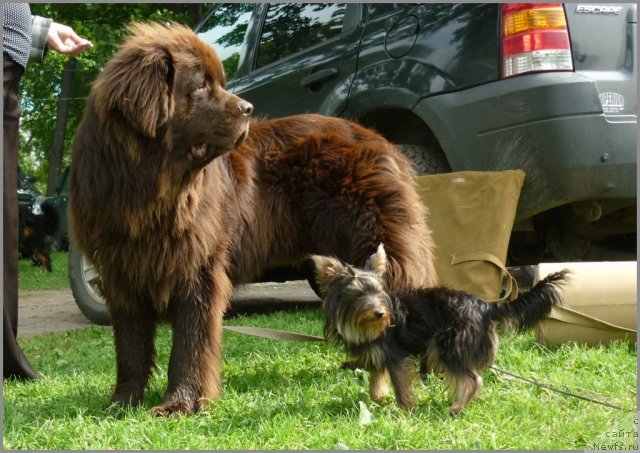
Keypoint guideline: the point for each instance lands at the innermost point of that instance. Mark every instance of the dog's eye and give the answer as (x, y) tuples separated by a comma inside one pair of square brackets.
[(204, 84)]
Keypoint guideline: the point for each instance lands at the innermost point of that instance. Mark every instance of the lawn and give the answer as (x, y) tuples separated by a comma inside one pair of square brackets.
[(284, 395), (33, 278)]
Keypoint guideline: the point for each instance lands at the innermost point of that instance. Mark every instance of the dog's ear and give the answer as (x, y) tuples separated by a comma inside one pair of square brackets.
[(138, 82), (325, 270), (377, 262)]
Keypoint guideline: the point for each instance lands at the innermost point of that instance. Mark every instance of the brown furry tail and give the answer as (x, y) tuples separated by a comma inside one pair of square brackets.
[(531, 307)]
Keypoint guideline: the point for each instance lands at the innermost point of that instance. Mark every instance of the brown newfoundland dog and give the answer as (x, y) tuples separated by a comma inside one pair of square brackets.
[(176, 197)]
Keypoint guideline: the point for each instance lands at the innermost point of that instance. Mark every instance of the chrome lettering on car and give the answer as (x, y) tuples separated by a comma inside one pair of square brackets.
[(612, 102), (599, 9)]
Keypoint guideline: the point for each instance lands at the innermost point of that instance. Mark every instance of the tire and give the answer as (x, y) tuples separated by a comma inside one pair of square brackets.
[(85, 286), (428, 160)]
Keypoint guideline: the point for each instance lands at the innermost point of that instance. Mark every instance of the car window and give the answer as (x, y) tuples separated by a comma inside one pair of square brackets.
[(225, 30), (291, 27), (382, 9)]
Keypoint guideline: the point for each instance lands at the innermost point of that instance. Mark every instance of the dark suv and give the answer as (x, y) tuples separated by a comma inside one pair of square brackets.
[(548, 88), (29, 197)]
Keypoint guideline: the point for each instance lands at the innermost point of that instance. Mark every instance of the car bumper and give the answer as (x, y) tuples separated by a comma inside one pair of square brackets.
[(549, 125)]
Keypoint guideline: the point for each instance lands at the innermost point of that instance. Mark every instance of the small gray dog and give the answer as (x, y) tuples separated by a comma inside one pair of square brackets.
[(453, 330)]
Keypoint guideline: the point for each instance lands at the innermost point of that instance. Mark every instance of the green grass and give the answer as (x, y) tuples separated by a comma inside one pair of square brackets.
[(33, 278), (283, 395)]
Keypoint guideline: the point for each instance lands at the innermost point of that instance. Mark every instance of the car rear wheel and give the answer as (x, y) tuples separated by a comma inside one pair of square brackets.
[(85, 286), (428, 160)]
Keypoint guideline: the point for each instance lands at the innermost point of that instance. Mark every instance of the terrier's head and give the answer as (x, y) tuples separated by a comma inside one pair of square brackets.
[(356, 306)]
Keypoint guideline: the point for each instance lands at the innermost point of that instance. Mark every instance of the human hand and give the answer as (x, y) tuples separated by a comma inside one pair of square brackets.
[(64, 40)]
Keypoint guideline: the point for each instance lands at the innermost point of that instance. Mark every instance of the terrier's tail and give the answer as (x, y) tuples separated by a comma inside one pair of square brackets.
[(531, 307)]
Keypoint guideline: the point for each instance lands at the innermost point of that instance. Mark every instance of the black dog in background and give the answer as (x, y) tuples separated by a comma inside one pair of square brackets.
[(36, 234)]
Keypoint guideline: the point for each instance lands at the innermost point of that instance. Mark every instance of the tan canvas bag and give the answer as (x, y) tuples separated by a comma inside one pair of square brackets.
[(599, 304), (471, 215)]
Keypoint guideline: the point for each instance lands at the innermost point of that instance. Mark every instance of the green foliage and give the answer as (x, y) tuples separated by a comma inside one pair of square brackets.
[(105, 26), (284, 395)]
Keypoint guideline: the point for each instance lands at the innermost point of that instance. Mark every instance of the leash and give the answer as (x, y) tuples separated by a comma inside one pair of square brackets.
[(272, 333), (275, 334), (562, 392)]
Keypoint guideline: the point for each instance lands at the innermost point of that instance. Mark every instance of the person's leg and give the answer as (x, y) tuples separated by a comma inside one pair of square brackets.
[(15, 364)]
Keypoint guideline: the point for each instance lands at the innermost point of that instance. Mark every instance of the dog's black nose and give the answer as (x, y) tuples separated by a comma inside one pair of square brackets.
[(379, 314), (246, 108)]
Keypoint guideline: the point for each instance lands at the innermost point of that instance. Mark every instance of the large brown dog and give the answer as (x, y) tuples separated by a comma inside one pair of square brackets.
[(172, 217)]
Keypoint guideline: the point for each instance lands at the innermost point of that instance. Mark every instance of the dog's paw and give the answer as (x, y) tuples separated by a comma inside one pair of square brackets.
[(406, 403), (172, 409), (383, 400), (456, 408), (349, 365), (407, 407), (175, 408), (380, 392), (125, 399)]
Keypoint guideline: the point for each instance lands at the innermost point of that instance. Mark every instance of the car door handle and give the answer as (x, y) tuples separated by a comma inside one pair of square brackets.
[(319, 76)]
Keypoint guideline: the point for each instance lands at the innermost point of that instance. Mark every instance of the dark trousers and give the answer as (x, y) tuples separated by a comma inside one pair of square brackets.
[(15, 364)]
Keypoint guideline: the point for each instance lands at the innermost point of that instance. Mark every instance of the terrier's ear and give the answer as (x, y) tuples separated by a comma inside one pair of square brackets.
[(326, 269), (377, 262)]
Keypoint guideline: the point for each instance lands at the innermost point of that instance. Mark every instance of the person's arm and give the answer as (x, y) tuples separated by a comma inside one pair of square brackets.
[(39, 34), (61, 38)]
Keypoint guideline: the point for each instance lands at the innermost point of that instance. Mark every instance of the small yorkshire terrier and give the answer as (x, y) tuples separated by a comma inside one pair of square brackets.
[(454, 331)]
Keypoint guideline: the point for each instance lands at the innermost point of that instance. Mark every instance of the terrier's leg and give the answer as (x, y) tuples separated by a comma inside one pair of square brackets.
[(379, 385), (402, 374), (467, 387)]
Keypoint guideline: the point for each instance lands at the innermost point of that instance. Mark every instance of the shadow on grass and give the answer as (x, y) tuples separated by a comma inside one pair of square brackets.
[(86, 393)]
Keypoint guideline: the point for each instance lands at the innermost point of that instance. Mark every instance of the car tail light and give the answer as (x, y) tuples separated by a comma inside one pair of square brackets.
[(535, 37)]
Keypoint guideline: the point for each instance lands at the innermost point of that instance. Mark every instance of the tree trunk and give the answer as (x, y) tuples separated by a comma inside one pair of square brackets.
[(57, 148)]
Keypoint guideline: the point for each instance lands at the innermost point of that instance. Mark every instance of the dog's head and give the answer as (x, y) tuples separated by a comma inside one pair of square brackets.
[(357, 308), (166, 84)]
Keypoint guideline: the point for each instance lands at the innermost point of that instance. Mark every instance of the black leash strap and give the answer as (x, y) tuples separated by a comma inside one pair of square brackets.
[(292, 336)]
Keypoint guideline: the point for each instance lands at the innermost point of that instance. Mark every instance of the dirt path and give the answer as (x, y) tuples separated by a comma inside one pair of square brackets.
[(55, 311), (50, 311)]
